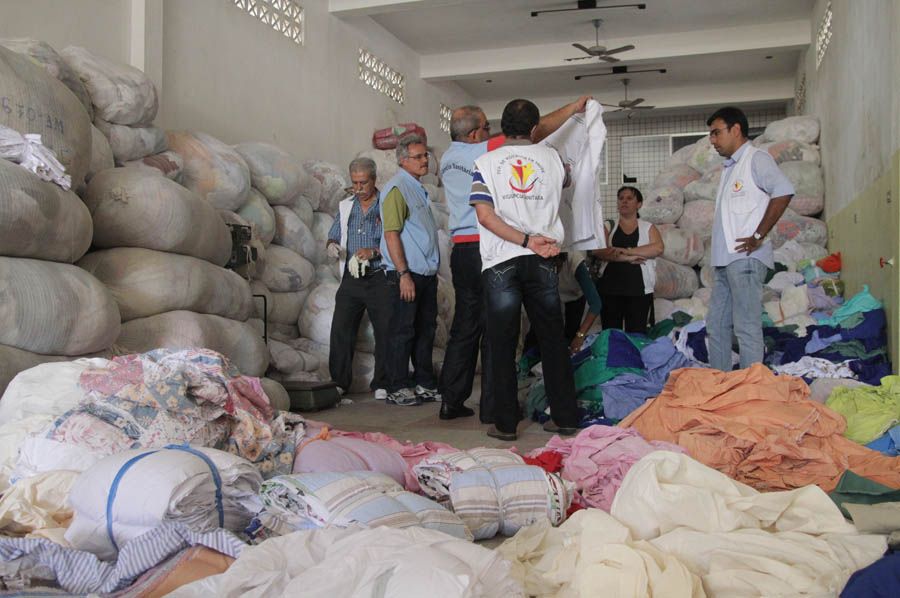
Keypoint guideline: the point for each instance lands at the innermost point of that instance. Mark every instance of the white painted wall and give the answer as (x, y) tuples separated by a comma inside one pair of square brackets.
[(855, 95), (228, 74), (99, 25)]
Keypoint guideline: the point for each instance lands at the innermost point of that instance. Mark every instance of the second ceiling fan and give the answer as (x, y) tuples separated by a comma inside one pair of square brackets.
[(627, 105), (598, 51)]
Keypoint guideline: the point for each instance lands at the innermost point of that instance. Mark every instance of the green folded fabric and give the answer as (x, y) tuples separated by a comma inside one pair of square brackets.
[(855, 489), (870, 411)]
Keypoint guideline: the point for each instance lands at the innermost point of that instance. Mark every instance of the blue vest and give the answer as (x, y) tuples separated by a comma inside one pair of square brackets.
[(457, 165), (419, 234)]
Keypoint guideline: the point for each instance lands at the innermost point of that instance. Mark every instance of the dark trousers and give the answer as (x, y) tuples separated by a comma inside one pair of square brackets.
[(467, 333), (354, 297), (573, 314), (630, 314), (531, 281), (411, 335)]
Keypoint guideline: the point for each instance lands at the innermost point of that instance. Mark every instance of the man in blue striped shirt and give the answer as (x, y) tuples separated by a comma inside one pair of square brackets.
[(357, 232)]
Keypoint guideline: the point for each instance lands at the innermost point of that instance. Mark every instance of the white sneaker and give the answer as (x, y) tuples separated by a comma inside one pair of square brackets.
[(380, 394), (427, 395), (405, 397)]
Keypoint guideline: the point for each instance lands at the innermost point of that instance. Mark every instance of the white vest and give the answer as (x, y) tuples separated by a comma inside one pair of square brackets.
[(525, 182), (648, 268), (740, 201), (344, 209)]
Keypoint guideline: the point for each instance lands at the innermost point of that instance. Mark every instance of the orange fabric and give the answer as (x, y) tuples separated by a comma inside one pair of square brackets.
[(758, 428), (831, 263), (324, 434), (195, 563)]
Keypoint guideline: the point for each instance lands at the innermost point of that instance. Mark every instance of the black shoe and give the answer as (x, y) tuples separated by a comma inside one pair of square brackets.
[(554, 429), (493, 432), (450, 412)]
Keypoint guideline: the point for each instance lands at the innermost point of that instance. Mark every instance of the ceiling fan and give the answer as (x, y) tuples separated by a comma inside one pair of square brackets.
[(598, 51), (627, 105)]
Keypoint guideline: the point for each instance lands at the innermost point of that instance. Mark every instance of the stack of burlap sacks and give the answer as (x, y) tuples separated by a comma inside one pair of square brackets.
[(50, 310), (154, 211), (681, 202)]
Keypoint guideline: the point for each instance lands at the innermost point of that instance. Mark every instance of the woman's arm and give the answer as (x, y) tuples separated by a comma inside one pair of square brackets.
[(594, 305), (610, 253), (652, 249)]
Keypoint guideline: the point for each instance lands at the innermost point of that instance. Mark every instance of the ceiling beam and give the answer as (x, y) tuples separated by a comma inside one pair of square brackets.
[(712, 93), (359, 8), (785, 35)]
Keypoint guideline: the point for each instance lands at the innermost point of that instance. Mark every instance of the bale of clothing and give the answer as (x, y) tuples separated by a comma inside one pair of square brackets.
[(493, 490), (153, 399)]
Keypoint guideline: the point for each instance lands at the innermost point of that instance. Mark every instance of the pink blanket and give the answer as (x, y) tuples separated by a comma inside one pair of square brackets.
[(598, 458), (368, 451)]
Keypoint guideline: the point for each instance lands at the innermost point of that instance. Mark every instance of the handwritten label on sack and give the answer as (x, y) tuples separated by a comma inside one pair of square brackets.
[(31, 114)]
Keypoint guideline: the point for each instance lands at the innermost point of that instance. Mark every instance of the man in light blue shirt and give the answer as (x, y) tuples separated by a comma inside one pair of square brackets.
[(753, 194), (410, 253)]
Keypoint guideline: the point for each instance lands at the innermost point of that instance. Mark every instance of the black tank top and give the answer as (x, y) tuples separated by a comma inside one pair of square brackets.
[(621, 278)]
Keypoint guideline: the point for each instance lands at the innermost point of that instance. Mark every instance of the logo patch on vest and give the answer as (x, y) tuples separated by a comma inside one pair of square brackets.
[(523, 177), (738, 185)]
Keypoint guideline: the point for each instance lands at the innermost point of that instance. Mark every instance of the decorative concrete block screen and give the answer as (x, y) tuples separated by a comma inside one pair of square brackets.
[(284, 16)]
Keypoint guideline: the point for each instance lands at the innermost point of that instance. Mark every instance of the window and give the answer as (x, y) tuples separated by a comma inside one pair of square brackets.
[(284, 16), (823, 35), (380, 77), (445, 114)]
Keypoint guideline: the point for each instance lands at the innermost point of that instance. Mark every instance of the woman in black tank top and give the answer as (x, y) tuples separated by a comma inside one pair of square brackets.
[(626, 304)]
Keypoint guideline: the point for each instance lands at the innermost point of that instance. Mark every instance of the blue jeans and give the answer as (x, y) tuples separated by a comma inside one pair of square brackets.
[(736, 307), (531, 281)]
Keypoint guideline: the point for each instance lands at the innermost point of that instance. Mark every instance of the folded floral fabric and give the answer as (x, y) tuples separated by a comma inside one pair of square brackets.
[(598, 458), (165, 396), (311, 500), (758, 428), (493, 491)]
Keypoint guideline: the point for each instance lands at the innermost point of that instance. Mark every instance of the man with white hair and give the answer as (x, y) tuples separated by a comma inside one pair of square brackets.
[(410, 249), (356, 232)]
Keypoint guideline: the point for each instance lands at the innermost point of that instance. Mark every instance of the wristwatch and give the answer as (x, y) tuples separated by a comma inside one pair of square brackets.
[(757, 236), (400, 273), (580, 334)]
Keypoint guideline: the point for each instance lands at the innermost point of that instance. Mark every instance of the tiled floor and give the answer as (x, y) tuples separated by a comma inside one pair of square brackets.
[(422, 423)]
